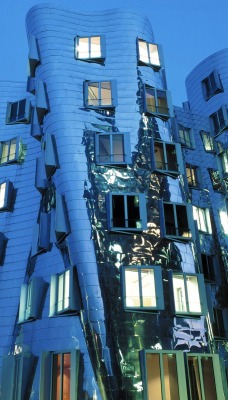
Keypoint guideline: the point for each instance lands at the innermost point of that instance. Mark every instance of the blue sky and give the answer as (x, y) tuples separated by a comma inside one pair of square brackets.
[(189, 31)]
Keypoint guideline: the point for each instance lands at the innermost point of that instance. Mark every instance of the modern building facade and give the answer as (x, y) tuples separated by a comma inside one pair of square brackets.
[(114, 227)]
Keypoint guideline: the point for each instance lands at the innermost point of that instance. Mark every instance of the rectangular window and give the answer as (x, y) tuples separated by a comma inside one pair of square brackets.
[(208, 141), (166, 157), (9, 151), (187, 293), (223, 158), (126, 211), (112, 148), (218, 324), (149, 54), (6, 194), (158, 102), (219, 120), (224, 219), (216, 181), (175, 221), (143, 288), (211, 85), (208, 268), (91, 48), (202, 216), (31, 298), (192, 173), (33, 55), (61, 375), (186, 137), (18, 112), (100, 94)]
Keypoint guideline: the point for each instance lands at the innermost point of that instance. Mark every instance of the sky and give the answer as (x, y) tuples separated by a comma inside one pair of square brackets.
[(188, 30)]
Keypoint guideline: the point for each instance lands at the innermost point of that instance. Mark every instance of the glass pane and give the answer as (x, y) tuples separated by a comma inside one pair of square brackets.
[(150, 100), (169, 220), (221, 118), (207, 141), (216, 124), (67, 290), (202, 224), (95, 47), (104, 148), (154, 387), (193, 294), (60, 293), (133, 212), (2, 194), (21, 109), (148, 288), (66, 377), (12, 150), (13, 112), (194, 378), (208, 378), (171, 157), (224, 159), (162, 102), (56, 377), (179, 293), (154, 56), (182, 221), (118, 211), (106, 95), (5, 152), (83, 48), (170, 377), (159, 156), (132, 287), (118, 148), (143, 52), (93, 94)]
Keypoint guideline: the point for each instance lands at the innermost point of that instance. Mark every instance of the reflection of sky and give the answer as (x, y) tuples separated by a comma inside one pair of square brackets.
[(187, 262)]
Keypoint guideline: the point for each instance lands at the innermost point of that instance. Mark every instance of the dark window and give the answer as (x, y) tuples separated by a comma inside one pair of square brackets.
[(208, 267), (176, 220), (18, 112), (218, 324), (211, 85), (219, 120), (166, 157)]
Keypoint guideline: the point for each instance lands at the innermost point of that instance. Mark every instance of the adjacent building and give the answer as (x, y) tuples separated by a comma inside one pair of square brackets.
[(113, 224)]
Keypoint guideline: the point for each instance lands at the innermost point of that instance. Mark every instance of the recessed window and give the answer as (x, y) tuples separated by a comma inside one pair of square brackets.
[(62, 224), (18, 112), (143, 288), (10, 151), (64, 295), (211, 85), (208, 141), (175, 221), (192, 174), (216, 181), (149, 54), (219, 120), (202, 217), (189, 294), (166, 157), (126, 211), (208, 267), (158, 102), (112, 148), (100, 94), (223, 158), (186, 136), (90, 48), (31, 300), (6, 193), (218, 326)]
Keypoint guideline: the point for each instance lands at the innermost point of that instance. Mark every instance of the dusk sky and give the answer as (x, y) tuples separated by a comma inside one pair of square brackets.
[(189, 31)]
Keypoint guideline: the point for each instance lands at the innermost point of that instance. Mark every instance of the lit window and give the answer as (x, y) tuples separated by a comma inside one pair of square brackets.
[(143, 288), (90, 48), (158, 102), (224, 221), (189, 294), (186, 137), (6, 192), (216, 181), (166, 157), (10, 151), (207, 141), (112, 148), (175, 221), (211, 85), (126, 211), (223, 157), (219, 120), (202, 216), (149, 53), (31, 299), (100, 94), (208, 267), (192, 174), (64, 295), (18, 112)]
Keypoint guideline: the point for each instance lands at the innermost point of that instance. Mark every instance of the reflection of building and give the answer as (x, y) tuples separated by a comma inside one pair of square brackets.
[(113, 233)]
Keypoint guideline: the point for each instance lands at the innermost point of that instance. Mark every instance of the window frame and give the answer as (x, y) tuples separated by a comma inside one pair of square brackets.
[(207, 85), (12, 142), (194, 175), (222, 158), (205, 213), (142, 212), (207, 262), (31, 297), (90, 58), (7, 196), (158, 112), (25, 119), (166, 170), (126, 148), (189, 141), (221, 118), (217, 186), (158, 288), (163, 225), (210, 141), (150, 63), (113, 92), (33, 55)]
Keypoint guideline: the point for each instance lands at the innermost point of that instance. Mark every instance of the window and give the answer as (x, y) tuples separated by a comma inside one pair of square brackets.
[(219, 120), (211, 85), (143, 288), (31, 299), (18, 112), (50, 155), (208, 141), (202, 217), (192, 173), (62, 225), (208, 267), (59, 375), (224, 219), (158, 102), (112, 148), (149, 54), (3, 243), (10, 151), (186, 137), (64, 293), (216, 181), (175, 221), (126, 211), (188, 291), (33, 56), (100, 94), (90, 48), (41, 235), (166, 157), (218, 323), (223, 158), (6, 194)]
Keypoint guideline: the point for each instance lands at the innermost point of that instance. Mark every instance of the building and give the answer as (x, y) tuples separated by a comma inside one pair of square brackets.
[(114, 217)]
